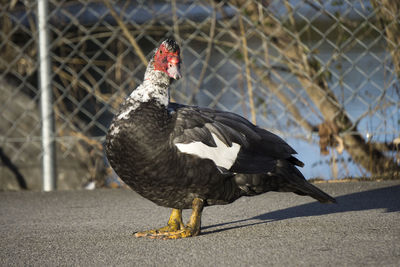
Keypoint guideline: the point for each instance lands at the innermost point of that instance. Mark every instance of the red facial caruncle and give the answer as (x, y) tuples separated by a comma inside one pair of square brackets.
[(168, 61)]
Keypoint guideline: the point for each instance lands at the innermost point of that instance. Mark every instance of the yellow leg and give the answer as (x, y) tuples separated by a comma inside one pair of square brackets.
[(195, 219), (192, 228), (175, 228), (175, 223)]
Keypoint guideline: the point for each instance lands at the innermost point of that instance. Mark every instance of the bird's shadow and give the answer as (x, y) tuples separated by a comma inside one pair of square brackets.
[(387, 198)]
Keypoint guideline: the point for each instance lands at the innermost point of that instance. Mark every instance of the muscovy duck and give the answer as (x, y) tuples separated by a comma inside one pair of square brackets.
[(185, 157)]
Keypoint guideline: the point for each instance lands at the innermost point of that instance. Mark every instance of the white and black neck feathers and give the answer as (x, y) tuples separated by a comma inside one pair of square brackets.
[(154, 87)]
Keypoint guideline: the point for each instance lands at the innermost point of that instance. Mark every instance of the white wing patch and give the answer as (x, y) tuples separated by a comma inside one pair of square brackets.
[(222, 155)]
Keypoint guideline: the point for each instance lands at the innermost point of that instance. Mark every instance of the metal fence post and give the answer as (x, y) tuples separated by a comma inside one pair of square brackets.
[(48, 145)]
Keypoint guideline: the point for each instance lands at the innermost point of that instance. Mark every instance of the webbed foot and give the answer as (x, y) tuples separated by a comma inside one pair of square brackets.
[(174, 224), (175, 228)]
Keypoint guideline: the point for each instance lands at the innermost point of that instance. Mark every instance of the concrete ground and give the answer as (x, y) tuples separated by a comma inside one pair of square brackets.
[(275, 229)]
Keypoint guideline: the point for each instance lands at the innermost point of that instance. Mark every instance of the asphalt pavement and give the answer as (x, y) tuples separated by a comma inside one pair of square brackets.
[(94, 228)]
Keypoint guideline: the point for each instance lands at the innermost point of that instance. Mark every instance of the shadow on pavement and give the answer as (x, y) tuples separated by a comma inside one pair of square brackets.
[(387, 198)]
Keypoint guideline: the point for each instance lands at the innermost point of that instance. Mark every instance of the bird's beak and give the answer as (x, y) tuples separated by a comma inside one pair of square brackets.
[(174, 68)]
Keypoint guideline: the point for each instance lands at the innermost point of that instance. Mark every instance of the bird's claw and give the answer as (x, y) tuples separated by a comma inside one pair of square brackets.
[(164, 234), (186, 232), (157, 232)]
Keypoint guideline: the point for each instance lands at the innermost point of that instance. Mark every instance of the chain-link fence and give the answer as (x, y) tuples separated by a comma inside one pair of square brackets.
[(322, 74)]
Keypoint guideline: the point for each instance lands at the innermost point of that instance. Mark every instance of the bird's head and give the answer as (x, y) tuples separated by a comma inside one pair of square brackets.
[(167, 59)]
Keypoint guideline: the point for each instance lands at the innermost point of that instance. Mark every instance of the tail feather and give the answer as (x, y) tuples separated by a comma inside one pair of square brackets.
[(314, 192), (284, 178), (296, 182)]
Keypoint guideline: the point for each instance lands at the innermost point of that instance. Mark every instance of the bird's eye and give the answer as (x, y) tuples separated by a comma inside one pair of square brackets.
[(160, 52)]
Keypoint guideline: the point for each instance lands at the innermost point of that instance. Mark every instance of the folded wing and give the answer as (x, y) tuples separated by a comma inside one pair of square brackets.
[(231, 141)]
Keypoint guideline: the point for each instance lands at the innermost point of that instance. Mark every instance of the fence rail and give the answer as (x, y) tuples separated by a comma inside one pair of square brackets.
[(323, 75)]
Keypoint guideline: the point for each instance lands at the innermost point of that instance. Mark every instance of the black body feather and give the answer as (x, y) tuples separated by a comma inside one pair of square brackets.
[(144, 155)]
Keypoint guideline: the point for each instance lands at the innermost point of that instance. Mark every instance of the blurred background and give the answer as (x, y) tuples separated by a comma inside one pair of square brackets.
[(324, 75)]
